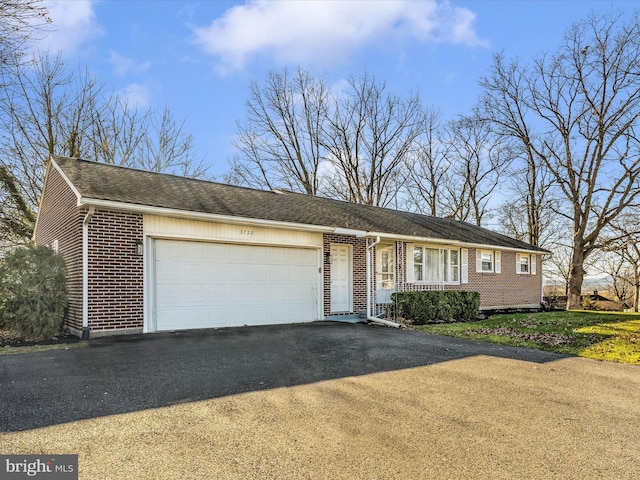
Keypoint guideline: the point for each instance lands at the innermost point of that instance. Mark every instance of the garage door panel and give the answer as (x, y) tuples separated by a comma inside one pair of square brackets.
[(201, 285)]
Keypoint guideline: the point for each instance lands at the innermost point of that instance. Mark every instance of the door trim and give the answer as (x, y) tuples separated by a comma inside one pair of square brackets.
[(349, 292)]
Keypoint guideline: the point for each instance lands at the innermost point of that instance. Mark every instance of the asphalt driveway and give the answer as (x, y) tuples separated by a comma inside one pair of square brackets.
[(129, 373), (324, 400)]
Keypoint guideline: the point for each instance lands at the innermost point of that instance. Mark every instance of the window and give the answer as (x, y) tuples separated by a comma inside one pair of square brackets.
[(525, 264), (435, 265), (454, 266), (488, 261), (385, 267)]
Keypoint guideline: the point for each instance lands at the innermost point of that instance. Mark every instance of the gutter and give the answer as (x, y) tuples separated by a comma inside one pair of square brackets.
[(456, 243), (85, 272), (370, 316)]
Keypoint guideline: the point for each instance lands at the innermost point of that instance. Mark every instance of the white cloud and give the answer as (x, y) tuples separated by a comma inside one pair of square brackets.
[(137, 95), (125, 66), (323, 31), (74, 23)]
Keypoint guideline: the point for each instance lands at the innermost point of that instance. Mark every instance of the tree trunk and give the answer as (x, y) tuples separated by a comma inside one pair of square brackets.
[(576, 277), (636, 290)]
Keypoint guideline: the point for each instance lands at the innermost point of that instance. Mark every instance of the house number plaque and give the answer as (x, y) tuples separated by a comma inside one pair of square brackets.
[(246, 231)]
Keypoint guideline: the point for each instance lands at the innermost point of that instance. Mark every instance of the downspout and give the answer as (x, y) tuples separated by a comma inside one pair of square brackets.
[(370, 316), (85, 272)]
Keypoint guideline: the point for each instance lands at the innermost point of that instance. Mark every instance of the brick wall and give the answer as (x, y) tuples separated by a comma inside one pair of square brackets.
[(60, 219), (359, 263), (505, 288), (496, 289), (115, 271)]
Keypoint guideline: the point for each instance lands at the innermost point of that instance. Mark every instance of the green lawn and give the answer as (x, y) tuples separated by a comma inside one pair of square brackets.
[(605, 336)]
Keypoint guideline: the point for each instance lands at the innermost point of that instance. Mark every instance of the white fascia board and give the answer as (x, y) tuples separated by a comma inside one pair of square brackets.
[(441, 241), (52, 163), (209, 217), (66, 179), (350, 231)]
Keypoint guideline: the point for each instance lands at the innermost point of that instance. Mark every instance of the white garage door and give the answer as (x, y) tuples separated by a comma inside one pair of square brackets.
[(203, 285)]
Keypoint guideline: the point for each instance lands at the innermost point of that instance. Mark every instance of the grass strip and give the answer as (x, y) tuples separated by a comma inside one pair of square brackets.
[(604, 336)]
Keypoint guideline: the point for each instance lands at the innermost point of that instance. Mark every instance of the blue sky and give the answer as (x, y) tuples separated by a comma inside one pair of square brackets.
[(198, 57)]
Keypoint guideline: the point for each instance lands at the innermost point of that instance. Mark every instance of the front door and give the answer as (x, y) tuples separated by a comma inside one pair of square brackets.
[(341, 278)]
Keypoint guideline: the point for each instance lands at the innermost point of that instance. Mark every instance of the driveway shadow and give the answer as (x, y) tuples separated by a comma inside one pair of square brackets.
[(129, 373)]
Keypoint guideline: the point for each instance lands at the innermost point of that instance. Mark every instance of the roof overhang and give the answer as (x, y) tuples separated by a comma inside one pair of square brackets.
[(257, 222), (441, 241), (203, 216)]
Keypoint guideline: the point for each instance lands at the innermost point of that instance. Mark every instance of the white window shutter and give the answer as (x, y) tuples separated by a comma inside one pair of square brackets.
[(478, 260), (533, 264), (410, 270), (518, 265), (498, 262), (464, 265)]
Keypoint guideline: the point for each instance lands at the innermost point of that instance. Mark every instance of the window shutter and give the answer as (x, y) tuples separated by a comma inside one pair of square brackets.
[(518, 266), (533, 264), (478, 261), (410, 274), (498, 262), (464, 265)]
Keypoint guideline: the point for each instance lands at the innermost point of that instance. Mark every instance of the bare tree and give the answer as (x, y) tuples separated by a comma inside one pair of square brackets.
[(614, 265), (503, 105), (279, 144), (621, 246), (581, 107), (20, 20), (300, 136), (478, 159), (46, 109), (167, 147), (368, 136), (428, 168)]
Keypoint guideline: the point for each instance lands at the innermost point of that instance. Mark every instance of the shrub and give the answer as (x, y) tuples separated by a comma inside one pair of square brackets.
[(435, 306), (33, 292)]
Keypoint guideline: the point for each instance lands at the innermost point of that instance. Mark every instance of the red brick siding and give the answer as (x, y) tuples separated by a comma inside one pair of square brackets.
[(60, 219), (496, 289), (115, 271), (359, 263), (505, 288)]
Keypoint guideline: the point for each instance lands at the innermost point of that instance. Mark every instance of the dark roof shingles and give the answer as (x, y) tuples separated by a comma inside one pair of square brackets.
[(108, 182)]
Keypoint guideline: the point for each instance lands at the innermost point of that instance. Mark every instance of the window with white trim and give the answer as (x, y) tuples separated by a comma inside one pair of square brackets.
[(432, 265), (385, 268), (488, 261), (525, 264)]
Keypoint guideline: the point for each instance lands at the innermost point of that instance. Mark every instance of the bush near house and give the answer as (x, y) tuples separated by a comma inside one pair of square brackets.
[(33, 292), (420, 308)]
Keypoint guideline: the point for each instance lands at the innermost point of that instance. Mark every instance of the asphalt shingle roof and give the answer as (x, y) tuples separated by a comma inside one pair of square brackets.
[(100, 181)]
